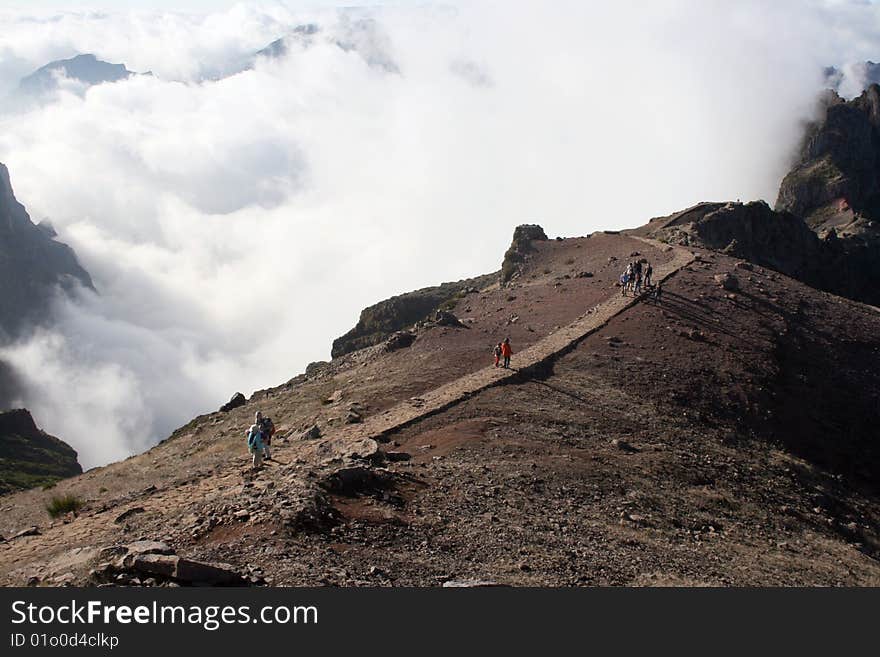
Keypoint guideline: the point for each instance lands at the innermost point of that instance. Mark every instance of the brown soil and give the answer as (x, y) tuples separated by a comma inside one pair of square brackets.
[(689, 442)]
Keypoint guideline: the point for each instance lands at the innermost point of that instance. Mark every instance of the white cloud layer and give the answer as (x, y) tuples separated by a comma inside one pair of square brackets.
[(234, 227)]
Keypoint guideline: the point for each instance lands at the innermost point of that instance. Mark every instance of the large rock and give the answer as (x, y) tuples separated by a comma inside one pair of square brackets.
[(312, 433), (728, 281), (400, 340), (520, 248), (378, 323), (197, 573), (778, 240), (238, 399), (30, 457), (446, 318), (184, 571)]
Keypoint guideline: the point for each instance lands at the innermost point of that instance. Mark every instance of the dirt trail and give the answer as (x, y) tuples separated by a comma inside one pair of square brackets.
[(25, 555), (358, 439)]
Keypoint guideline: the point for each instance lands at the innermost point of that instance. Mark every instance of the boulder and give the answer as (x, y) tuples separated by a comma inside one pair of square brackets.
[(312, 433), (237, 400), (316, 367), (160, 565), (207, 574), (400, 340), (30, 531), (125, 515), (446, 318), (728, 281)]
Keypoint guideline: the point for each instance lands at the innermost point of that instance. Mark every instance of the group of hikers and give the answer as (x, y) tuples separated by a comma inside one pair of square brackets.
[(259, 439), (503, 351), (637, 278)]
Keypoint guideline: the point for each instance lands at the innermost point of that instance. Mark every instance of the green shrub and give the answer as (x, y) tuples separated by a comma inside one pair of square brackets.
[(61, 504)]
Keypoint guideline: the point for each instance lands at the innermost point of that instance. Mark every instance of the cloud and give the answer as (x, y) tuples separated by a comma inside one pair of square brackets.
[(235, 226)]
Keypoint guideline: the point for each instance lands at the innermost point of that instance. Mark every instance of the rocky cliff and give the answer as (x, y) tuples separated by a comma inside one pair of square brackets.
[(30, 457), (836, 178), (378, 322), (33, 266), (778, 240)]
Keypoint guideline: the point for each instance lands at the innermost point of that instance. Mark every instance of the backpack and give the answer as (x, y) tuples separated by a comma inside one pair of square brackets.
[(267, 429)]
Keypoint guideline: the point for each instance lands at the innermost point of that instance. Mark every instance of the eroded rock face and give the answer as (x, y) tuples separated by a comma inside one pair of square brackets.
[(835, 188), (838, 170), (516, 255), (30, 457), (237, 400), (32, 266), (778, 240), (379, 322)]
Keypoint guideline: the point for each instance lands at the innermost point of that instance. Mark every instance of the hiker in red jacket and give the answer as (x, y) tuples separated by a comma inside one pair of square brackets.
[(506, 352)]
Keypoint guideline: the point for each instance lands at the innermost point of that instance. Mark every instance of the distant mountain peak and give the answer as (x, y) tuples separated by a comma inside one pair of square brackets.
[(85, 68)]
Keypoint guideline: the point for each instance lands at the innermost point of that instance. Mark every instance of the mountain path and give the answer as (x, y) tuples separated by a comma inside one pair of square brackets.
[(22, 556), (361, 439)]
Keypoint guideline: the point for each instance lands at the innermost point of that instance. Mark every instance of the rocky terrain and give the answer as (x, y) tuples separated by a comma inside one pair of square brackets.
[(30, 457), (721, 433), (691, 441)]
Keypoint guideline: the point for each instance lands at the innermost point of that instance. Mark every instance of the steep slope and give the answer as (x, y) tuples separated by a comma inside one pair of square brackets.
[(642, 443), (835, 184), (778, 240), (33, 266), (30, 457), (86, 69), (378, 322)]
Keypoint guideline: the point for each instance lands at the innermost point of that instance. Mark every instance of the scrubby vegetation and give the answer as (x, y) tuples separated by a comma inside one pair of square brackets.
[(61, 504)]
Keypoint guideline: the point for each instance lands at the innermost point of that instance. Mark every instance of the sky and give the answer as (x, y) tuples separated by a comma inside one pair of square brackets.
[(237, 213)]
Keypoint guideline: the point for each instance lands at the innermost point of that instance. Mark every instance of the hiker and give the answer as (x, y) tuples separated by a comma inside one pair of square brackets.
[(497, 353), (637, 287), (649, 271), (507, 352), (255, 445), (267, 429), (624, 281), (658, 292)]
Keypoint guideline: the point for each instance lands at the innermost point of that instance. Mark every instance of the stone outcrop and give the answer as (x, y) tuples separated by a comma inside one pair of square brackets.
[(520, 248), (30, 457), (32, 266), (837, 174), (778, 240), (237, 400), (379, 322)]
